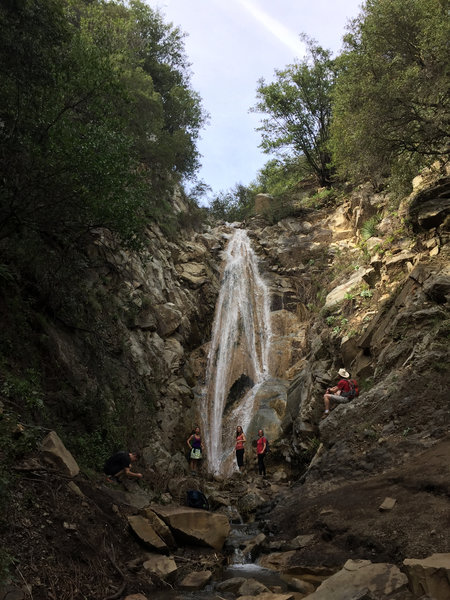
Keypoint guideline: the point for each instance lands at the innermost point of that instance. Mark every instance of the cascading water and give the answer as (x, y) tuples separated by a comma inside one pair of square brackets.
[(239, 350)]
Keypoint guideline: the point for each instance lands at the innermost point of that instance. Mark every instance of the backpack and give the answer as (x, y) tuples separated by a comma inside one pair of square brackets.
[(354, 390), (267, 450), (196, 499)]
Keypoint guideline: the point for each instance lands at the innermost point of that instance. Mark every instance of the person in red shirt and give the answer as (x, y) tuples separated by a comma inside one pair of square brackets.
[(339, 394), (261, 444)]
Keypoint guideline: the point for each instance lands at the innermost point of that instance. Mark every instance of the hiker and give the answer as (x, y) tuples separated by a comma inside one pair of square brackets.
[(196, 445), (261, 444), (341, 393), (119, 464), (239, 447)]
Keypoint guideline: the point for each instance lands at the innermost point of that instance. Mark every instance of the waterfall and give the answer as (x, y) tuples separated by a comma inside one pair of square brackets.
[(239, 352)]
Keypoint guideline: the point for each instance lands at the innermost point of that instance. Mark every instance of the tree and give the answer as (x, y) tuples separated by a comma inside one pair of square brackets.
[(234, 204), (98, 120), (390, 103), (298, 105)]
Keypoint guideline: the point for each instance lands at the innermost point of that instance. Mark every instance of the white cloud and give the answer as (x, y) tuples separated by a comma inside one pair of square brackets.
[(277, 29)]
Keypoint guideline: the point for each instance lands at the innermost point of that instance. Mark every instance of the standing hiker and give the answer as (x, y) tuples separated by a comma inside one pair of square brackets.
[(196, 445), (261, 445), (239, 447)]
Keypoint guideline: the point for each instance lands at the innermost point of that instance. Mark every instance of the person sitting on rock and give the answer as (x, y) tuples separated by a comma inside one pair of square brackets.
[(119, 464), (339, 394)]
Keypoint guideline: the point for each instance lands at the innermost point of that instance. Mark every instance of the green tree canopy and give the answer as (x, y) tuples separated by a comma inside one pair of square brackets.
[(391, 102), (298, 105), (98, 119)]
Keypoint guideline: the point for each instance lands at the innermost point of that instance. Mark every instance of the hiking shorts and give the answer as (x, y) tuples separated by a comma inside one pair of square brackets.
[(339, 399)]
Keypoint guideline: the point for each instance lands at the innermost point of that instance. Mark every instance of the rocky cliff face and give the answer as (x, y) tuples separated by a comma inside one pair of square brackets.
[(361, 284)]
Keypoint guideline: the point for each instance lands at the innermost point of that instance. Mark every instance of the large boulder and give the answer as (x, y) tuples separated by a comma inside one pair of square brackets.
[(429, 575), (55, 453), (358, 576), (146, 533), (159, 526), (195, 526)]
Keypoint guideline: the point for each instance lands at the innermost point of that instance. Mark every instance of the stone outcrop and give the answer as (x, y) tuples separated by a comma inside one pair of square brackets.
[(195, 526), (359, 576), (146, 533), (55, 453), (429, 575)]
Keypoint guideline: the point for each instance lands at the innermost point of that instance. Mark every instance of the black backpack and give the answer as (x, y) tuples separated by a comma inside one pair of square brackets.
[(196, 499), (267, 450)]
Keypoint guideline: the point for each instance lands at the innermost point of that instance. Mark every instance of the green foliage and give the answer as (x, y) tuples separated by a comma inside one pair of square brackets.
[(98, 121), (280, 177), (369, 227), (390, 103), (25, 392), (234, 205), (298, 105)]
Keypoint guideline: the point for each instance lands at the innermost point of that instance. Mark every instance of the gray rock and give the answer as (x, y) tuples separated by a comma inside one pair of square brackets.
[(55, 453), (163, 567), (146, 533), (196, 580), (357, 578), (252, 587), (429, 575)]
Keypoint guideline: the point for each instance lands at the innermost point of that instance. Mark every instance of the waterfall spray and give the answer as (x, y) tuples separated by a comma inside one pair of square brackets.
[(239, 346)]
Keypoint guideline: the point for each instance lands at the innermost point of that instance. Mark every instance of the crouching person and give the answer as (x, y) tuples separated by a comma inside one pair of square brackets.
[(119, 465), (345, 390)]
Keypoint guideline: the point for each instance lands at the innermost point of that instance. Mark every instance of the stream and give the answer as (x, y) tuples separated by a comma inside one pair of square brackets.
[(239, 566)]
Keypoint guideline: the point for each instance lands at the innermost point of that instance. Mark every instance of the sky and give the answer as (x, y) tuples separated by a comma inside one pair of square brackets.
[(231, 44)]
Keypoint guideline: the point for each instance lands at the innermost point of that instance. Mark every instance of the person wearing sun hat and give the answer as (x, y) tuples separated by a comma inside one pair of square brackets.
[(339, 394)]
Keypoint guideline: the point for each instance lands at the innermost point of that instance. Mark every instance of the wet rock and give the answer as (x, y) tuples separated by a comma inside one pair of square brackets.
[(55, 453), (253, 546), (231, 585), (196, 580), (160, 566), (277, 561), (294, 583), (252, 587), (429, 575), (146, 533), (195, 525), (360, 577)]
